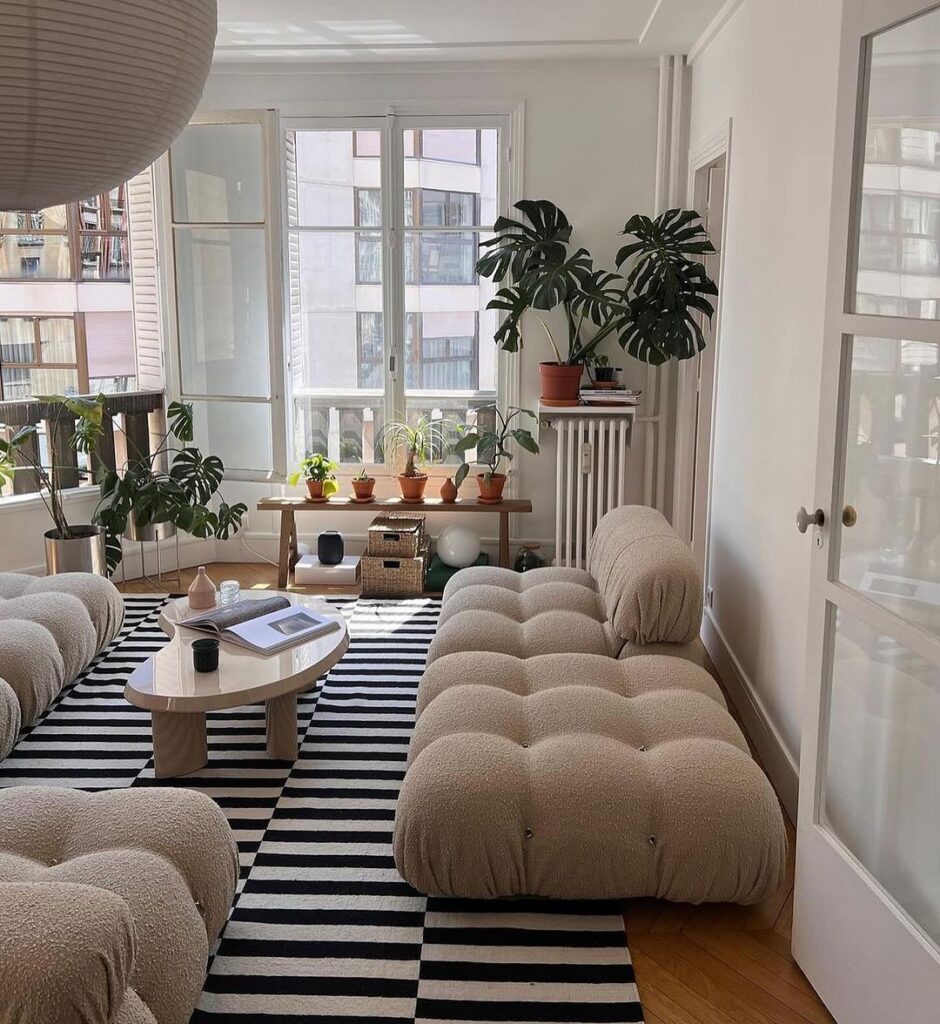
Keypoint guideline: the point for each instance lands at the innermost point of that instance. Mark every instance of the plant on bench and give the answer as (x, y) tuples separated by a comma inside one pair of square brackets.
[(492, 447)]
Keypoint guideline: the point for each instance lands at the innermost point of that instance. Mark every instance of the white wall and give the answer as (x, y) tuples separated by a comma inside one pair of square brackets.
[(773, 70), (590, 146)]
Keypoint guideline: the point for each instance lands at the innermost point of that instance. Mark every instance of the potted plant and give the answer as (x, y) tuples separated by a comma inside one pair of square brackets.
[(69, 547), (320, 474), (602, 374), (363, 485), (652, 311), (418, 443), (147, 494), (492, 448)]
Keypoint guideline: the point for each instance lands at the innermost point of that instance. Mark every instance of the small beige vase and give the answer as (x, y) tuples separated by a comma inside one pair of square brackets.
[(201, 591)]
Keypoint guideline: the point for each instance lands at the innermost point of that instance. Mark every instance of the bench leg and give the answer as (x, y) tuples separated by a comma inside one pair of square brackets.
[(284, 556), (504, 539)]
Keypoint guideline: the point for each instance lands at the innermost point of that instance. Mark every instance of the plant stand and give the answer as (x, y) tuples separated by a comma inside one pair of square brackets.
[(143, 564)]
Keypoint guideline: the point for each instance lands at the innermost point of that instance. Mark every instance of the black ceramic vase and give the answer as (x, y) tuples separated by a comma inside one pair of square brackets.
[(330, 549)]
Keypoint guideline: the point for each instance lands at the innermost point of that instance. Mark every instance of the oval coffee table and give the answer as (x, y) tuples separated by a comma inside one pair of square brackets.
[(178, 697)]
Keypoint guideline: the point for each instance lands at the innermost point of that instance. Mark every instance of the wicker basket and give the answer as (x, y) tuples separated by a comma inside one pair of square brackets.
[(396, 535), (384, 576)]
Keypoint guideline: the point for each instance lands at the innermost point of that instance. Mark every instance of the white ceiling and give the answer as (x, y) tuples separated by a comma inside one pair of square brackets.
[(396, 30)]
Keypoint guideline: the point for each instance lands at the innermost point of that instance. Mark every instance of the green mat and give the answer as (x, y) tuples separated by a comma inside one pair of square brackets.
[(439, 573)]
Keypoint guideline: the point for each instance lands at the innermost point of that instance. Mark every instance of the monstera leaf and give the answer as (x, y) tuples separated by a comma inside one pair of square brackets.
[(199, 475), (518, 245), (600, 297), (669, 285), (513, 302)]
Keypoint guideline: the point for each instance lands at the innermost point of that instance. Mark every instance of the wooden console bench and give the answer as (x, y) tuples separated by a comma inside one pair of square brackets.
[(288, 556)]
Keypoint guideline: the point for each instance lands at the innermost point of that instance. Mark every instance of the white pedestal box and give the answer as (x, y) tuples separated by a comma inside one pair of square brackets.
[(309, 570)]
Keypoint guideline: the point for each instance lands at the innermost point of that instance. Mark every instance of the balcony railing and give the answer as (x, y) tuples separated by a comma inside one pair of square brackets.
[(134, 422)]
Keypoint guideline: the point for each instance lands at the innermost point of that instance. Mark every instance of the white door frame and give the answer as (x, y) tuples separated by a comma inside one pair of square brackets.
[(866, 958), (714, 145)]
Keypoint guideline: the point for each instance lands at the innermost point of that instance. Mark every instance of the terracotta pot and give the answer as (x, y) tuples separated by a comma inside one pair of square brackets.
[(412, 487), (364, 488), (492, 492), (560, 383), (315, 489), (448, 490)]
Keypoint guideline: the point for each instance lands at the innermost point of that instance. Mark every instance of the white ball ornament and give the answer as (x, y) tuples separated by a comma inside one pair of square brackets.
[(458, 546)]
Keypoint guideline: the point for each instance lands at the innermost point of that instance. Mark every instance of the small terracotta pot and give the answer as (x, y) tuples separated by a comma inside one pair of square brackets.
[(491, 492), (364, 488), (315, 489), (412, 487), (449, 490), (560, 383)]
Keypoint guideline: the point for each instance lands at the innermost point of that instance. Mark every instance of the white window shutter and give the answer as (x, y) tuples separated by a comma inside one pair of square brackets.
[(145, 282)]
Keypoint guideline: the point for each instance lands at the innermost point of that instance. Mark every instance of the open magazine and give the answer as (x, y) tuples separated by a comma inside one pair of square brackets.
[(267, 626)]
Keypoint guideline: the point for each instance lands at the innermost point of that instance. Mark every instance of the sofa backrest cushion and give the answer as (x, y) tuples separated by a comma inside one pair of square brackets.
[(647, 577)]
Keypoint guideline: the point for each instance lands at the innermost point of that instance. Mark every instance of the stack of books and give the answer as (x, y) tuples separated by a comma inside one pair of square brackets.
[(609, 396)]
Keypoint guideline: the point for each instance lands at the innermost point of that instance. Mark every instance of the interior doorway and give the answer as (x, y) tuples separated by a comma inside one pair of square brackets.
[(697, 377)]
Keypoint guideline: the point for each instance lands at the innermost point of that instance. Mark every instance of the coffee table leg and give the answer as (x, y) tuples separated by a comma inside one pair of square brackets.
[(281, 727), (179, 743), (284, 556)]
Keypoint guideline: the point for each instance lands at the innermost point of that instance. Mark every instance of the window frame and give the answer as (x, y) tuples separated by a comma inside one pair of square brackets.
[(274, 212), (392, 126)]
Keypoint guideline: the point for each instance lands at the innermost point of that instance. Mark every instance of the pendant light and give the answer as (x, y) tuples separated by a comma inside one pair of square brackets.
[(93, 91)]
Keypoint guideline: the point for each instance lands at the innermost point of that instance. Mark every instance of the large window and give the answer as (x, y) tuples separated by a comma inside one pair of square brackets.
[(385, 218), (84, 241)]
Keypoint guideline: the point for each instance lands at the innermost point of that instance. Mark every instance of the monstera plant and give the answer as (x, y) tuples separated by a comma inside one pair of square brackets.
[(185, 494), (652, 304)]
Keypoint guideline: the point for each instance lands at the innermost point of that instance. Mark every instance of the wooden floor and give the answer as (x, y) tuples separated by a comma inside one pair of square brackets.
[(709, 964)]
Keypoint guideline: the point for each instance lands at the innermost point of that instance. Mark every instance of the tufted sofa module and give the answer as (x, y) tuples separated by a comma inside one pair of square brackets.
[(560, 752), (109, 903), (50, 629)]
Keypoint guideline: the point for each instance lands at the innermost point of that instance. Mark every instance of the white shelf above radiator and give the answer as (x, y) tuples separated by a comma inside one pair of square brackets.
[(547, 413)]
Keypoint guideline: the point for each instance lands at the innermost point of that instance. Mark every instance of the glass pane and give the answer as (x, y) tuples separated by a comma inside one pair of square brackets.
[(337, 179), (222, 300), (338, 360), (105, 258), (39, 256), (217, 175), (17, 339), (451, 177), (117, 201), (898, 270), (883, 762), (345, 428), (238, 432), (20, 384), (90, 214), (892, 478), (57, 340), (441, 257), (54, 218)]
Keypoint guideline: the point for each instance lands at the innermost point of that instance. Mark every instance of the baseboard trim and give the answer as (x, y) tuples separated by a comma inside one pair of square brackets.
[(783, 770)]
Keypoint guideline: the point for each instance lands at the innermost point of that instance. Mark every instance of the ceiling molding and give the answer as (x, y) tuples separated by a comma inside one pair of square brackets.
[(727, 12)]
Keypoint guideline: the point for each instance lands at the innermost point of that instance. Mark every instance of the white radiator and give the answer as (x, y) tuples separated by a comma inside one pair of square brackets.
[(590, 479)]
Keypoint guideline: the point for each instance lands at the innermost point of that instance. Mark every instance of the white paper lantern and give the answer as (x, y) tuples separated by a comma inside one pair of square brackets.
[(458, 546), (93, 91)]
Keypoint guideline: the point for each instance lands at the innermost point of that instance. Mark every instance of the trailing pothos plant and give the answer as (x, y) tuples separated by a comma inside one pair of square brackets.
[(651, 304), (186, 493)]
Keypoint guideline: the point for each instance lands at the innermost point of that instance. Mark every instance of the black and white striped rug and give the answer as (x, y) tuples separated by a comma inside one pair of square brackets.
[(324, 928)]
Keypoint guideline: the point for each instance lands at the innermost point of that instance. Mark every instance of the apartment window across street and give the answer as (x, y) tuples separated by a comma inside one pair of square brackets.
[(385, 217), (84, 241)]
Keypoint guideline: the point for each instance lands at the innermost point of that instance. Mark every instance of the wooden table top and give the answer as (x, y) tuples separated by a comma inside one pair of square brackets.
[(344, 504)]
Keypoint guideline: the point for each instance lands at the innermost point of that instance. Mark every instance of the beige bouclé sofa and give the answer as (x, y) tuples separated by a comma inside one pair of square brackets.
[(569, 743), (109, 903), (50, 629)]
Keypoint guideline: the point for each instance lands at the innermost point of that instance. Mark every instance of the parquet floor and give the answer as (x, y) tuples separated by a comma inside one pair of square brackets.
[(709, 964)]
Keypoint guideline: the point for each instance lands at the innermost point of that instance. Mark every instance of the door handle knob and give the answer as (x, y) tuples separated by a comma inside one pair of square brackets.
[(804, 519), (849, 516)]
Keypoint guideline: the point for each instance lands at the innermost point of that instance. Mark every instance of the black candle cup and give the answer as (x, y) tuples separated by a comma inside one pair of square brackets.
[(206, 655)]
